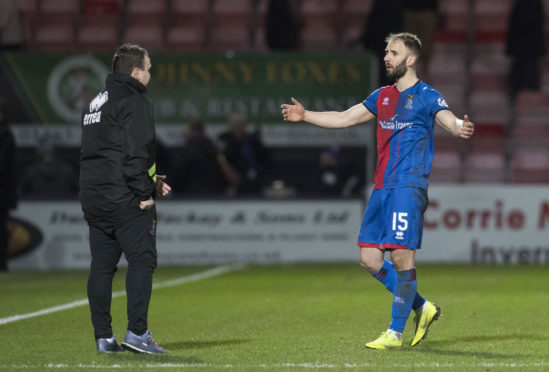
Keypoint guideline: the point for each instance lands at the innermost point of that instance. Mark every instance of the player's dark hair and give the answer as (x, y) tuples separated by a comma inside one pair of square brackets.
[(411, 41), (127, 57)]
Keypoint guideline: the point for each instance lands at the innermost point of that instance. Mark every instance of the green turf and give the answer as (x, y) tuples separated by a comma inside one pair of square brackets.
[(296, 317)]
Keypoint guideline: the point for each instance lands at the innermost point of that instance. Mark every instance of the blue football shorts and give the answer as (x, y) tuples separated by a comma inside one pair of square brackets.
[(393, 219)]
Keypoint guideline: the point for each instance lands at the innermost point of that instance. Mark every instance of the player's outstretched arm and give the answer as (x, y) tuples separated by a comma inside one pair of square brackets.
[(459, 128), (328, 119), (467, 128)]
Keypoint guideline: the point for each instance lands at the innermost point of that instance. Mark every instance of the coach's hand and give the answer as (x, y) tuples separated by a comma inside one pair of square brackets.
[(145, 205), (294, 112), (467, 129), (162, 188)]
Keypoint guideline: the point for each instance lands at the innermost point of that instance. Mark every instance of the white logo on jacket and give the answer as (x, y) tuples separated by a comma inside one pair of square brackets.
[(99, 101), (95, 105), (94, 117)]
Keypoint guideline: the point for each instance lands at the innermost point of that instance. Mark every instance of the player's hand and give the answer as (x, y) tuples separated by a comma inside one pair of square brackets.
[(294, 112), (162, 188), (145, 205), (467, 129)]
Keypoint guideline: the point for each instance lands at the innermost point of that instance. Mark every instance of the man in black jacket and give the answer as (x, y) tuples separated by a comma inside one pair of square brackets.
[(118, 183)]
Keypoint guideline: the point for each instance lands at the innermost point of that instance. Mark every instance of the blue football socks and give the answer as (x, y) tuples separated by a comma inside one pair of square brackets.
[(388, 276), (403, 297)]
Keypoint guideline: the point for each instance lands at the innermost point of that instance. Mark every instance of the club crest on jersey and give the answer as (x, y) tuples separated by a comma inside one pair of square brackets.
[(408, 104), (385, 101)]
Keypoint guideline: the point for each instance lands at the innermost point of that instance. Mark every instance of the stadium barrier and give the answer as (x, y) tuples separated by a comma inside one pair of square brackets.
[(481, 224)]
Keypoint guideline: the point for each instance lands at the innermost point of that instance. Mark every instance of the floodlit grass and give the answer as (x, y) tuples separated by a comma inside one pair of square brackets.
[(295, 317)]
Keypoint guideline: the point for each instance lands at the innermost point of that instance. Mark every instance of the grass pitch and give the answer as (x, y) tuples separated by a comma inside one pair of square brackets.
[(286, 318)]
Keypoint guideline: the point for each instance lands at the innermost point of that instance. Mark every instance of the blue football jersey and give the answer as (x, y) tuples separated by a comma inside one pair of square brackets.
[(405, 126)]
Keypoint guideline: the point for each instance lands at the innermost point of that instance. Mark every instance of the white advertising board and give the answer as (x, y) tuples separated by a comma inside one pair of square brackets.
[(484, 224), (273, 135), (266, 231)]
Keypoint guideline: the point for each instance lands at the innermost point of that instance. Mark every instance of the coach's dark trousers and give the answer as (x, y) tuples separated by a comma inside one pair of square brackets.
[(136, 237)]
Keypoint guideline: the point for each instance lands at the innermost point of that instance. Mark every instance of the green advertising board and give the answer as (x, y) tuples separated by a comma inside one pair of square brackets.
[(54, 88)]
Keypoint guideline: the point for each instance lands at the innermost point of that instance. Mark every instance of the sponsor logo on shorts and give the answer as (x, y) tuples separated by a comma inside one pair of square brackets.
[(400, 224)]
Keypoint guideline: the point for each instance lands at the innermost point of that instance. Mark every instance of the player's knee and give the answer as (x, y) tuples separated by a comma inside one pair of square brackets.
[(369, 264), (403, 261)]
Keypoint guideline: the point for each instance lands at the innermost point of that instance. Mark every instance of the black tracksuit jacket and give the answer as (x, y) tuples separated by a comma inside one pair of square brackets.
[(117, 161)]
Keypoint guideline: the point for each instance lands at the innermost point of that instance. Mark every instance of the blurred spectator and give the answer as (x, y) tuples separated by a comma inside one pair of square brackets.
[(420, 17), (200, 168), (337, 176), (384, 18), (246, 154), (49, 177), (7, 186), (525, 45), (281, 26), (10, 30)]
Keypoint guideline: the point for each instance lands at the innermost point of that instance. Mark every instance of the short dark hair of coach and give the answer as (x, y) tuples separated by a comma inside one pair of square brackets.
[(131, 59)]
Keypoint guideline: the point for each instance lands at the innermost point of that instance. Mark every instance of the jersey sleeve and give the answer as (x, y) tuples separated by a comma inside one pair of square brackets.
[(371, 101), (436, 102)]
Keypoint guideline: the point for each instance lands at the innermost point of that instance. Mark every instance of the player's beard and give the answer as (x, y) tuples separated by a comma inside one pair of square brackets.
[(398, 71)]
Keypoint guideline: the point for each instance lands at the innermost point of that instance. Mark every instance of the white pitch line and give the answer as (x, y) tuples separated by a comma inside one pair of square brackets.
[(169, 283), (285, 366)]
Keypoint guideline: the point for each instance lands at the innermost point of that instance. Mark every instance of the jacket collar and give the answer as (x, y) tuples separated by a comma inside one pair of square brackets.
[(116, 78)]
